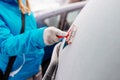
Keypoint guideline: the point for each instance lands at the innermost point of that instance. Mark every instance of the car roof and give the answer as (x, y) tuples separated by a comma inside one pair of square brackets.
[(65, 8), (95, 51)]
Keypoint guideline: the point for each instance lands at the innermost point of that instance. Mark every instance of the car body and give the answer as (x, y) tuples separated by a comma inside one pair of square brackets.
[(95, 51)]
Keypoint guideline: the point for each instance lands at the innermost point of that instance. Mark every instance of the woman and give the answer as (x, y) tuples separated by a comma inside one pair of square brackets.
[(28, 46)]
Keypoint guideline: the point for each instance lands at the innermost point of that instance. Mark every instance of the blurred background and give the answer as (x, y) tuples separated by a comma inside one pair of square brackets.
[(43, 5)]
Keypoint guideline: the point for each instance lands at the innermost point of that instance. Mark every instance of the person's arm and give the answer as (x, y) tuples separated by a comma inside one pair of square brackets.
[(28, 41), (22, 43)]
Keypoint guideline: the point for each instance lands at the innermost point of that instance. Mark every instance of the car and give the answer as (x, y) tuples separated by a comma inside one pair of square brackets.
[(95, 51), (61, 18)]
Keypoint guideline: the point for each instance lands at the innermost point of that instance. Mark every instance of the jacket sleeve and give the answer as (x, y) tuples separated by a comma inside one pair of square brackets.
[(27, 42)]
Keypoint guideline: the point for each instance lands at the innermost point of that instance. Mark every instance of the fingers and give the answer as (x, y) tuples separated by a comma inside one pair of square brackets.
[(56, 39), (52, 40), (60, 32)]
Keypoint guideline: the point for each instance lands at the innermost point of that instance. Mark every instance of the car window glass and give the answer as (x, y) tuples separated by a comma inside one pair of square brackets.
[(52, 21), (71, 16)]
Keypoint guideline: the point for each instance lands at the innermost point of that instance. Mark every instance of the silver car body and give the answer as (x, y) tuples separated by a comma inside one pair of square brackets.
[(95, 51)]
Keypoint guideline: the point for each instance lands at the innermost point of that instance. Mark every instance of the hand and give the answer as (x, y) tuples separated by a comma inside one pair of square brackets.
[(50, 35)]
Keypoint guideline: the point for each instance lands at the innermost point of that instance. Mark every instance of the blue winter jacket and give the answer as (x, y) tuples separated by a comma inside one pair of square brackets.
[(27, 46)]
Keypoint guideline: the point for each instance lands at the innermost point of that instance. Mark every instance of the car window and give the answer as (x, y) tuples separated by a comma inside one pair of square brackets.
[(52, 21), (71, 16)]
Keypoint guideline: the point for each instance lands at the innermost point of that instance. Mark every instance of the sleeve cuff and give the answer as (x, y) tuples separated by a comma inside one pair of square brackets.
[(39, 37)]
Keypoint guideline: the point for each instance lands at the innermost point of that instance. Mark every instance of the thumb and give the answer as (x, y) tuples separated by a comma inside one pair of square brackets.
[(61, 33)]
